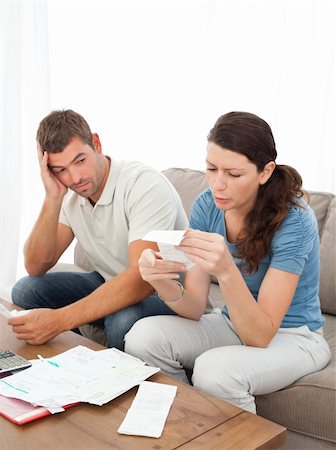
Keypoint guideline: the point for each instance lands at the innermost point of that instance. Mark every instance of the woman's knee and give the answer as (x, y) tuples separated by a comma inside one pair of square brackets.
[(223, 373), (206, 374), (145, 335), (216, 372)]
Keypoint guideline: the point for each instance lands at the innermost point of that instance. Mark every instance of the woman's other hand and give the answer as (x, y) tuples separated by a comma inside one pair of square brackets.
[(207, 250)]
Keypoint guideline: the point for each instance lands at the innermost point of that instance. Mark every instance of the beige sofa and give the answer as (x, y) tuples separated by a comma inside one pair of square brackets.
[(307, 407)]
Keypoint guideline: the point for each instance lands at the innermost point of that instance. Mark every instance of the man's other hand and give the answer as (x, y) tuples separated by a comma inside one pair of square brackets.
[(38, 326)]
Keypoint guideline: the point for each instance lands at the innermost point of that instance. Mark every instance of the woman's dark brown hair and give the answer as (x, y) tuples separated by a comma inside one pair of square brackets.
[(251, 136)]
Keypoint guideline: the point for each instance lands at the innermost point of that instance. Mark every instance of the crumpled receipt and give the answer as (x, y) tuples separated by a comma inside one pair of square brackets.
[(13, 313), (167, 240)]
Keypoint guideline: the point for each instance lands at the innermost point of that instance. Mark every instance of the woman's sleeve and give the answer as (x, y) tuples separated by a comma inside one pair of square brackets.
[(199, 213), (294, 241)]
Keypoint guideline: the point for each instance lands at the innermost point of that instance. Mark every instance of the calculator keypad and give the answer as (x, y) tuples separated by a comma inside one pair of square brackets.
[(10, 361)]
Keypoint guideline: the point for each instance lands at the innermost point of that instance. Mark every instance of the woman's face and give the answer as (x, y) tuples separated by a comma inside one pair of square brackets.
[(234, 179)]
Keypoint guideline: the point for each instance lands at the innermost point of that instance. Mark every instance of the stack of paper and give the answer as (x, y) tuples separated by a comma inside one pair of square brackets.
[(77, 375)]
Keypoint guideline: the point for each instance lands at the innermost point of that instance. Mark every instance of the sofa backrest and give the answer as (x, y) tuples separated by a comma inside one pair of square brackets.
[(328, 261), (320, 202), (189, 183)]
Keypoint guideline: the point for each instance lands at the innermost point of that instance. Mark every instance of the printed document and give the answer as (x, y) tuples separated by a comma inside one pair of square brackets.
[(77, 375)]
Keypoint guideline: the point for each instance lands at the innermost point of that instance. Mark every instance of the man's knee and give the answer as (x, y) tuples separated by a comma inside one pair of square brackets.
[(25, 291)]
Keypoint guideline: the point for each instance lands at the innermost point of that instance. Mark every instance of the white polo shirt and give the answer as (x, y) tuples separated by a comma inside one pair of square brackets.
[(136, 199)]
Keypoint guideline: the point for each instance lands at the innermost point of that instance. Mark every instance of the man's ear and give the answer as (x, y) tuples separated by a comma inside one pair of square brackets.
[(265, 175), (96, 143)]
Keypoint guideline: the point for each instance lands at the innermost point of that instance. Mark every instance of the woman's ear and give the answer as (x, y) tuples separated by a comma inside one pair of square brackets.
[(265, 175)]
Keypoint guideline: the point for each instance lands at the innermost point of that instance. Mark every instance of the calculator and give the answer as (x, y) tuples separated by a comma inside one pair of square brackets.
[(10, 362)]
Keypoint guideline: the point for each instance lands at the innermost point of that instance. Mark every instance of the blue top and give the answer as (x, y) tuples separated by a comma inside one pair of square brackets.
[(295, 248)]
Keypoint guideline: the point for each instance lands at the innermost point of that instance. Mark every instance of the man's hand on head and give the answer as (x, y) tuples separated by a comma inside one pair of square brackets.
[(38, 326), (53, 187)]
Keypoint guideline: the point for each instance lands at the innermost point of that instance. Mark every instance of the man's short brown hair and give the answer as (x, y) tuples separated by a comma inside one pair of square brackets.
[(56, 130)]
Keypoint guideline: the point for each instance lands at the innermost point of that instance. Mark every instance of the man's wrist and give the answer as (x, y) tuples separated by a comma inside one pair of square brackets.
[(69, 317)]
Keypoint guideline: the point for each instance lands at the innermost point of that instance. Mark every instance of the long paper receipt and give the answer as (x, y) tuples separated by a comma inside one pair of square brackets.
[(149, 410), (166, 241)]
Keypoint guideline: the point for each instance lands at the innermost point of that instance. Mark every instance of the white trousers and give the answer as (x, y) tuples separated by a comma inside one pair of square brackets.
[(222, 365)]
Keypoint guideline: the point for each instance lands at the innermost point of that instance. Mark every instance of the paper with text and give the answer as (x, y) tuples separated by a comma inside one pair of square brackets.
[(77, 375), (149, 410), (167, 240)]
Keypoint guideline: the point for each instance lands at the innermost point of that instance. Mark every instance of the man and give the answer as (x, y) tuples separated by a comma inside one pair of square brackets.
[(108, 206)]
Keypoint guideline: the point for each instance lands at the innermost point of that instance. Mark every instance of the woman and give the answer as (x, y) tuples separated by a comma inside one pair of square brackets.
[(254, 232)]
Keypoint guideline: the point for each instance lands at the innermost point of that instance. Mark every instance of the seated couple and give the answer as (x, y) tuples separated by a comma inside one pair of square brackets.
[(251, 229)]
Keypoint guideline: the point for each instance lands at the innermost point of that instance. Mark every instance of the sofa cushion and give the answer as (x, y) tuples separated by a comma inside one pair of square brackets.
[(188, 183), (94, 332), (320, 201), (215, 298), (328, 262), (307, 406), (299, 441)]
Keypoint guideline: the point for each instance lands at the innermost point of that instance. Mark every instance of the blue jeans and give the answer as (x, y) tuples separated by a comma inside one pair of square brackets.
[(58, 289)]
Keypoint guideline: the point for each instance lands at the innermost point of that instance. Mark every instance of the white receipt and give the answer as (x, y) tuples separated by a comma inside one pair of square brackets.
[(149, 410), (13, 313), (167, 240)]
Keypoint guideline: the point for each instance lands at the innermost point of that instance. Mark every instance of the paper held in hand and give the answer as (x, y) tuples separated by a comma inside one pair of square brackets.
[(12, 313), (167, 240)]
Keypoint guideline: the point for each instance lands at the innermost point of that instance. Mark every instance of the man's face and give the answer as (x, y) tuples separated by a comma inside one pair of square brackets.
[(80, 168)]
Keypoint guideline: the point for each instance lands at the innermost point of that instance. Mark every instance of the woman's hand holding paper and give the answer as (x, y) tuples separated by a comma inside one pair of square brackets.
[(153, 268)]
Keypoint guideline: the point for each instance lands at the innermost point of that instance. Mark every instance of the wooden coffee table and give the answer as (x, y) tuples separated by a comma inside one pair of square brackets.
[(195, 421)]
